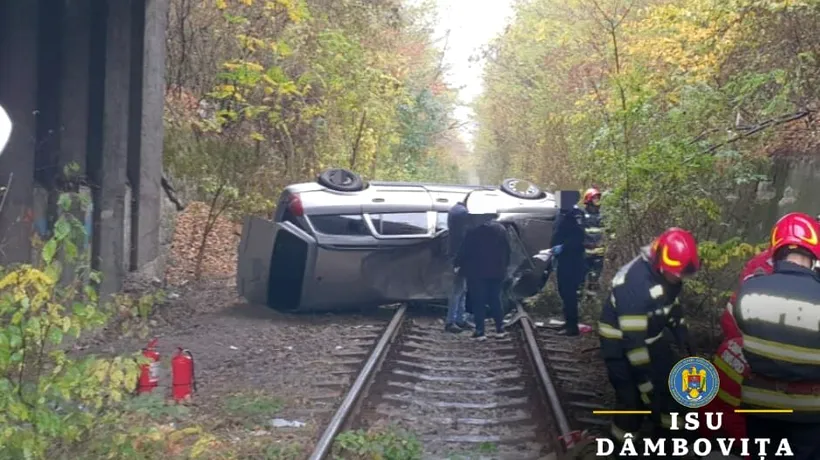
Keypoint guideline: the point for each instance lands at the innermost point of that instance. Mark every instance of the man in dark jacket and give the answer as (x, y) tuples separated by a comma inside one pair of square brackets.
[(483, 260), (457, 222), (569, 233), (778, 315)]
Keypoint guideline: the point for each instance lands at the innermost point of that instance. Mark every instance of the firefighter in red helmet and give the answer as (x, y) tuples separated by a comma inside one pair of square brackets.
[(593, 236), (731, 366), (642, 304), (779, 317)]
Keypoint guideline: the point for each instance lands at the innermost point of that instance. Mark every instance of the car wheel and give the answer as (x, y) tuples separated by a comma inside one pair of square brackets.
[(341, 180), (522, 189)]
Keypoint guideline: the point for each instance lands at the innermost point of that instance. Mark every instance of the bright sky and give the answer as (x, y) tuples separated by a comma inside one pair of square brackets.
[(472, 24)]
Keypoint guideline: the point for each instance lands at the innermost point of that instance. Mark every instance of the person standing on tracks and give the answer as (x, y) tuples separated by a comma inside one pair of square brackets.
[(483, 259), (641, 305), (593, 236), (569, 234), (778, 316), (458, 220)]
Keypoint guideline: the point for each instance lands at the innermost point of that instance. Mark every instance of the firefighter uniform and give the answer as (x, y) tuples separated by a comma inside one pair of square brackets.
[(593, 242), (783, 351), (731, 368), (729, 361), (779, 317), (760, 264), (641, 306), (637, 356), (593, 236)]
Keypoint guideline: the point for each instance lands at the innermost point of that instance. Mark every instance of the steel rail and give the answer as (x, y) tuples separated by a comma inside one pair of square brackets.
[(349, 403), (546, 382)]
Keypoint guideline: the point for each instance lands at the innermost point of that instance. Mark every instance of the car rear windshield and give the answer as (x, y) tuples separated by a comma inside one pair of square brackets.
[(394, 224), (344, 224)]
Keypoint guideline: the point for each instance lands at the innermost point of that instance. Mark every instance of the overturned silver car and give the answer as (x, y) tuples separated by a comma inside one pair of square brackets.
[(341, 244)]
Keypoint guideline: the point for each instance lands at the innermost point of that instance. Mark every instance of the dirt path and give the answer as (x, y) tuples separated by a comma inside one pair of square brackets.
[(254, 365)]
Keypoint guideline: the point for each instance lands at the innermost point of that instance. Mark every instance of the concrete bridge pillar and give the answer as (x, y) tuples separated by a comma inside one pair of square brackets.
[(18, 94), (74, 84), (109, 195), (83, 81), (145, 154)]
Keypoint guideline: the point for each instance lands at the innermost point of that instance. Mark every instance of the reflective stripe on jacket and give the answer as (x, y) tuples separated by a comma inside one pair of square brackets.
[(593, 232), (779, 316), (633, 319), (758, 265)]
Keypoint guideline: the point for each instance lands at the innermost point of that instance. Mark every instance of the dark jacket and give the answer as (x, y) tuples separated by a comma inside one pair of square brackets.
[(640, 307), (457, 220), (569, 232), (779, 316), (485, 253)]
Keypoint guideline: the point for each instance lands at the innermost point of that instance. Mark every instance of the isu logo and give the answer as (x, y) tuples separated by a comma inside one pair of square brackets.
[(694, 382)]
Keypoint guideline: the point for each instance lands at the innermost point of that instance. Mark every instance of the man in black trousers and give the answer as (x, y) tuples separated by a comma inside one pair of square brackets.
[(569, 233), (483, 260)]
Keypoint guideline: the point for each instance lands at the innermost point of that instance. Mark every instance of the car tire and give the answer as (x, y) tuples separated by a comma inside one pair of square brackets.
[(513, 187), (341, 180)]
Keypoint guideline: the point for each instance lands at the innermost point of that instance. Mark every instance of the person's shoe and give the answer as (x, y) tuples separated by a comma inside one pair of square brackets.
[(501, 335), (479, 337), (452, 328), (569, 332), (465, 325)]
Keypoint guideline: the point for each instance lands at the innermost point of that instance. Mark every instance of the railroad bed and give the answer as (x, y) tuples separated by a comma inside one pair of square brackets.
[(582, 392), (458, 395), (510, 398)]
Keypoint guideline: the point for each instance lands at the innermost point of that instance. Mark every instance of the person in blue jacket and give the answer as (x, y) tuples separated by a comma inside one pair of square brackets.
[(569, 234)]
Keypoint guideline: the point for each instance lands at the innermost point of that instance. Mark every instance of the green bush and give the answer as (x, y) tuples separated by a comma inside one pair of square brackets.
[(47, 397)]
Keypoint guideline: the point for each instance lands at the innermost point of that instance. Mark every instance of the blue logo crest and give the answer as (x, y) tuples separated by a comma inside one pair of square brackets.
[(694, 382)]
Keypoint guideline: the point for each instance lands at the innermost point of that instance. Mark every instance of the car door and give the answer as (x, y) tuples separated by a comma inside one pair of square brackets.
[(253, 264), (273, 258), (411, 260)]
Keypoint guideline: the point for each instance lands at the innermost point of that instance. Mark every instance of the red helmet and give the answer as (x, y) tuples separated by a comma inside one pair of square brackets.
[(796, 230), (675, 252), (591, 194)]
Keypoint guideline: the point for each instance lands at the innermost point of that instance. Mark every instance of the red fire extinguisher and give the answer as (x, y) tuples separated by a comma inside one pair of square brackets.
[(182, 370), (149, 373)]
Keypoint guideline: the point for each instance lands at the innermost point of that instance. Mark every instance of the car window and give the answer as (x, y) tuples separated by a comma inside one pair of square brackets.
[(402, 223), (343, 224), (289, 217), (441, 221)]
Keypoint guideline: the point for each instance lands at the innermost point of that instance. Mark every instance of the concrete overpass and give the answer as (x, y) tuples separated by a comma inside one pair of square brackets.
[(83, 81)]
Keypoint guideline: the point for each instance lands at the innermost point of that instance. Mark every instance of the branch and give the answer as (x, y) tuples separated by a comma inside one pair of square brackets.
[(355, 152), (440, 66), (6, 191), (171, 193), (760, 127)]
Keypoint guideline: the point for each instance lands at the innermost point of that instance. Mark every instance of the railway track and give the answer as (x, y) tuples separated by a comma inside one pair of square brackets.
[(581, 394), (518, 397)]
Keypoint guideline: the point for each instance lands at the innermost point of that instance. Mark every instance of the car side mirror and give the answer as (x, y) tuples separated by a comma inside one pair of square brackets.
[(5, 129)]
